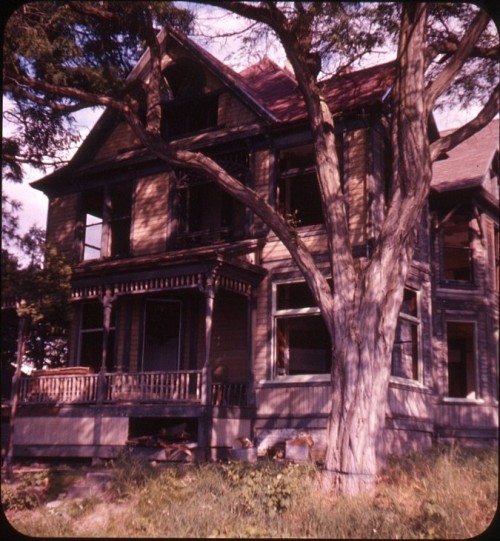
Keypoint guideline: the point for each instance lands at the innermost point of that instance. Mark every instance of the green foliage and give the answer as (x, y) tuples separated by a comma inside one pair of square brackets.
[(446, 493), (268, 487), (130, 473), (78, 45), (41, 294), (28, 494)]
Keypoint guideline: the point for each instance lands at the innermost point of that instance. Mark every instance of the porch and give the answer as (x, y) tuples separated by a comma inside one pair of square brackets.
[(188, 387)]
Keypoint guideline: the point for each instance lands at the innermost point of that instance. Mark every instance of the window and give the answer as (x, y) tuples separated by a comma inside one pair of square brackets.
[(187, 108), (302, 341), (461, 359), (91, 337), (207, 214), (457, 249), (406, 352), (299, 197), (107, 221)]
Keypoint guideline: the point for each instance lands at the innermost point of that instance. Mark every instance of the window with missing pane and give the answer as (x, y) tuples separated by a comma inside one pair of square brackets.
[(302, 341)]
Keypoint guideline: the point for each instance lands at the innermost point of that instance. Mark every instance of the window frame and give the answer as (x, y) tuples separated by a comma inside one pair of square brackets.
[(107, 219), (289, 313), (417, 321), (467, 215), (97, 330), (477, 387)]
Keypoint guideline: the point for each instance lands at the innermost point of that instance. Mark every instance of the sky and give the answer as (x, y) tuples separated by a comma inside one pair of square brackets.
[(34, 203)]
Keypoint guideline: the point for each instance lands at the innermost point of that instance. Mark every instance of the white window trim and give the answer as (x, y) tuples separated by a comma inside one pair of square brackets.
[(419, 382), (290, 312)]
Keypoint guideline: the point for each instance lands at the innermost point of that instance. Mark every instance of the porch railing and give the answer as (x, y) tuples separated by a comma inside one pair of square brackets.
[(178, 386), (229, 394), (154, 386), (80, 389), (114, 387)]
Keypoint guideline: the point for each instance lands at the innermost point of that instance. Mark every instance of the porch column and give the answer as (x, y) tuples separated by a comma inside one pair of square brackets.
[(107, 301), (211, 285)]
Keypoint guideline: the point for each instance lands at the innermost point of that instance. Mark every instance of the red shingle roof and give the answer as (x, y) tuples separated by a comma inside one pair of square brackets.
[(468, 163), (278, 91)]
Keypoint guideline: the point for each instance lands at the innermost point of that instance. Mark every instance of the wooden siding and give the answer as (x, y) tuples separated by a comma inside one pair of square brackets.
[(410, 402), (63, 216), (261, 332), (149, 227), (233, 113), (229, 355), (472, 415), (285, 400), (120, 138), (356, 170)]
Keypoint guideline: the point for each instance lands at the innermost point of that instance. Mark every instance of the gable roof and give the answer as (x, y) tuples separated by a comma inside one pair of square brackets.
[(270, 91), (467, 165)]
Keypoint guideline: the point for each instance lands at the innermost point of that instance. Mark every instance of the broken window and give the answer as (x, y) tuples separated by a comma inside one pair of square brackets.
[(186, 107), (299, 198), (461, 359), (457, 237), (302, 341), (91, 337), (107, 221), (208, 214), (406, 352)]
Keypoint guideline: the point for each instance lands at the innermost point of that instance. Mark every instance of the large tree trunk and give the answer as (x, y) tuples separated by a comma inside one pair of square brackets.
[(368, 308)]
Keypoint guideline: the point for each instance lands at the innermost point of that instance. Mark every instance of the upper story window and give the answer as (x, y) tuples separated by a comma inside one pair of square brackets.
[(206, 213), (302, 341), (457, 235), (107, 219), (187, 108), (299, 198), (406, 358)]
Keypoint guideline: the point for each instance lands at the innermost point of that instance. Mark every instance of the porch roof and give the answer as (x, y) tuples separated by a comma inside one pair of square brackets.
[(165, 272)]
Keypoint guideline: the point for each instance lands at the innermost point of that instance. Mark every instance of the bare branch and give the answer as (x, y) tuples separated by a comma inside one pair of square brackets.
[(453, 139), (457, 60)]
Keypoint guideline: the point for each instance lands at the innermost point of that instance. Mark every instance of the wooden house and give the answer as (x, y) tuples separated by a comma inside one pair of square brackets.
[(213, 334)]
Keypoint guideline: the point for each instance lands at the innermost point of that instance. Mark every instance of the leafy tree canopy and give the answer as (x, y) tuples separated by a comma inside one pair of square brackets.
[(91, 46)]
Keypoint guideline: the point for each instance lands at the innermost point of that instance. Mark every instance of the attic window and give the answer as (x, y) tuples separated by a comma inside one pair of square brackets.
[(186, 106)]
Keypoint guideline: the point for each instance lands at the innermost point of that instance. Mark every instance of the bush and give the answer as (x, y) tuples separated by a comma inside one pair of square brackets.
[(28, 493)]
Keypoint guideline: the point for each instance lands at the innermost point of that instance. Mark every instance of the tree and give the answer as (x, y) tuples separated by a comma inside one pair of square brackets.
[(361, 309), (41, 296)]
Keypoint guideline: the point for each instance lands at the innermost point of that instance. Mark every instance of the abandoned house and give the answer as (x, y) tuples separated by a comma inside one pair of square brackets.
[(213, 334)]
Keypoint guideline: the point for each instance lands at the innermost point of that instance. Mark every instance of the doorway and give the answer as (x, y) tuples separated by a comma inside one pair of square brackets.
[(162, 332)]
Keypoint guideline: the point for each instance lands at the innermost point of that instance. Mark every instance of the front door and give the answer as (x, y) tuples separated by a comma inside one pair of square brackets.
[(161, 336)]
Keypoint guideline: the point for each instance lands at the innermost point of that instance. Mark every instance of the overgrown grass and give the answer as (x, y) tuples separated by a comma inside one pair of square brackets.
[(448, 493)]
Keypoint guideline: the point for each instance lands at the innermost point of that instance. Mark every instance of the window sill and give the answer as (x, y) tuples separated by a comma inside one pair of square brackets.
[(303, 378), (458, 400), (403, 382)]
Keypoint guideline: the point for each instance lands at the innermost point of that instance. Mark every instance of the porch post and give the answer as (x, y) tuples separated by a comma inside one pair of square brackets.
[(107, 301), (210, 289)]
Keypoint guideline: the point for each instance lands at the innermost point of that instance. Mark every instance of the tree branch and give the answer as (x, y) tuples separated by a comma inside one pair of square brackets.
[(463, 51), (21, 93), (71, 92), (453, 139)]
